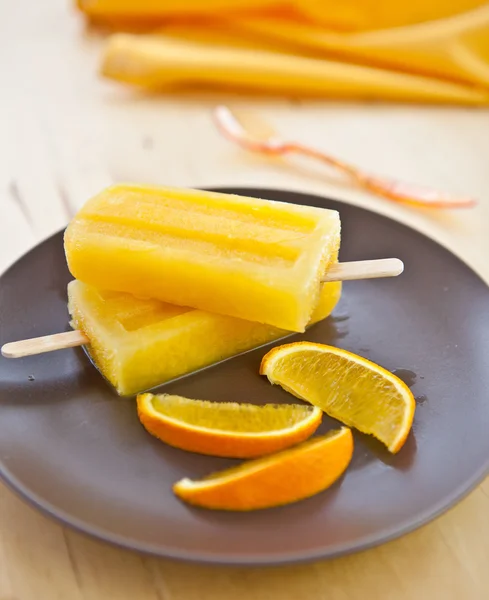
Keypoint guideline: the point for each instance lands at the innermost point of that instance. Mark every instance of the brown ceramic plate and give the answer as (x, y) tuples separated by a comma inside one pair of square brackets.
[(75, 450)]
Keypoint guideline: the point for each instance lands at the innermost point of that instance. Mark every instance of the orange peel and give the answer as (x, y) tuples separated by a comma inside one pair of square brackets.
[(226, 429), (275, 480)]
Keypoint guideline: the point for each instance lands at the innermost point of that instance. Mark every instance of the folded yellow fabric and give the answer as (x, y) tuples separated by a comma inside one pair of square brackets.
[(455, 48), (424, 52), (162, 63), (346, 15)]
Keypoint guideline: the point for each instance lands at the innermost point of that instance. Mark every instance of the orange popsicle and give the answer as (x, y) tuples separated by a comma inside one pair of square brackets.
[(138, 344), (257, 260)]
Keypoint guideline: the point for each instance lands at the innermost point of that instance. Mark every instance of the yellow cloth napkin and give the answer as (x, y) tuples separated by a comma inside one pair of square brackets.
[(418, 51)]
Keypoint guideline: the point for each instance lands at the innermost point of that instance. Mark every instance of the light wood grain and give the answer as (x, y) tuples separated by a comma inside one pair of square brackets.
[(364, 269), (46, 343), (66, 135)]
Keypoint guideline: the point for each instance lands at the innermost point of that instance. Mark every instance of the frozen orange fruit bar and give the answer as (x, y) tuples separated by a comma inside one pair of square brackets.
[(253, 259), (138, 344)]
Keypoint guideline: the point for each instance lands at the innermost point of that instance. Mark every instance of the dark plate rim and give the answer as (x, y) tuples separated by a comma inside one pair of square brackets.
[(293, 557), (258, 560)]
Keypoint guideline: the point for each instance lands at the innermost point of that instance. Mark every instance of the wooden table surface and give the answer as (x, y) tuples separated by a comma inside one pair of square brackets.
[(65, 135)]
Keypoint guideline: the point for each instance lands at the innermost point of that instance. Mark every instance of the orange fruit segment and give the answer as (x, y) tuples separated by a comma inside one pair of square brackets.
[(345, 386), (281, 478), (226, 428)]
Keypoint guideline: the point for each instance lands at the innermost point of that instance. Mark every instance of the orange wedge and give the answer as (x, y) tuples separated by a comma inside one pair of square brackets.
[(345, 386), (281, 478), (226, 428)]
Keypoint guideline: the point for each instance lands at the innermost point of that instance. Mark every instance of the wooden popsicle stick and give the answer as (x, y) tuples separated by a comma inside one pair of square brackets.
[(46, 343), (363, 269)]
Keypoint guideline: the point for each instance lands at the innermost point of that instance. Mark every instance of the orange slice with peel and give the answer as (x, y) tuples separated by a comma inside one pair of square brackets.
[(226, 428), (282, 478), (345, 386)]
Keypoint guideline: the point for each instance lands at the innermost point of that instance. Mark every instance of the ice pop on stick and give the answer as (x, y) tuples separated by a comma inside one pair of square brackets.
[(253, 259), (138, 344)]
